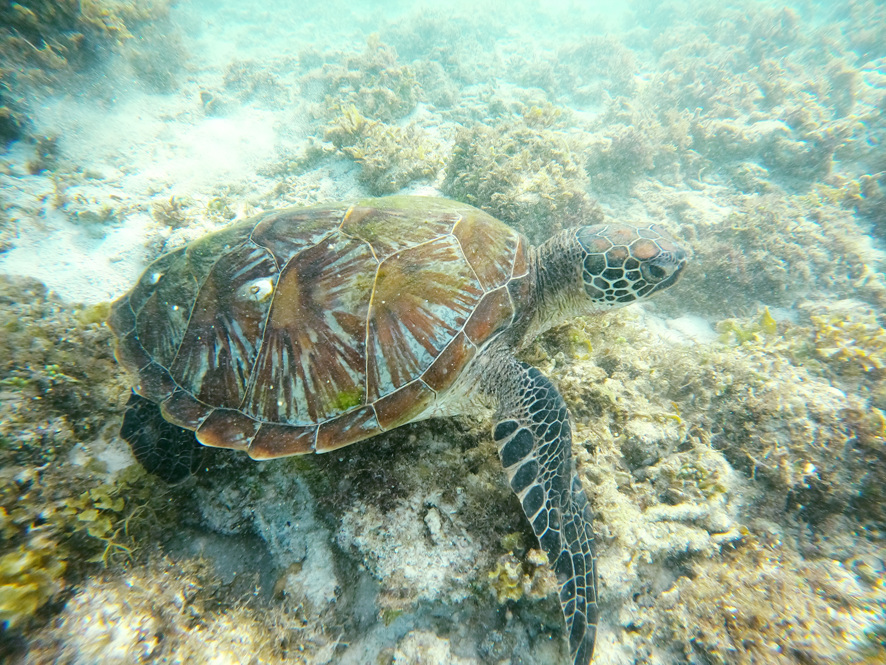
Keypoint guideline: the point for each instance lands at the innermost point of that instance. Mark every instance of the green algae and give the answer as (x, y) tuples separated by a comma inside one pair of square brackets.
[(65, 35), (348, 399), (30, 576), (755, 331), (389, 156), (523, 172), (374, 82), (850, 338)]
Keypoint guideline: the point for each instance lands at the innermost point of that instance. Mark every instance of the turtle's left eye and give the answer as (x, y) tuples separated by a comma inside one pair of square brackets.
[(656, 273), (665, 267)]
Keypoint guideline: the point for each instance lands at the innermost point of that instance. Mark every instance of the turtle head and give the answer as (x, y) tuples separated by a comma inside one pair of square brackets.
[(623, 264), (592, 269)]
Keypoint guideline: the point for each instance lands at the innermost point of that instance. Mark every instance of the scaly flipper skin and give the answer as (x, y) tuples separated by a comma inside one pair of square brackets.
[(535, 446), (168, 451)]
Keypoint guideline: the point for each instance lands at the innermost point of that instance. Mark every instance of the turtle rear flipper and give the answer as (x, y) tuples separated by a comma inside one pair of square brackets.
[(172, 453), (535, 446)]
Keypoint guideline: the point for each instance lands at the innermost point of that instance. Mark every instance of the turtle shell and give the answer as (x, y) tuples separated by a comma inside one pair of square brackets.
[(308, 329)]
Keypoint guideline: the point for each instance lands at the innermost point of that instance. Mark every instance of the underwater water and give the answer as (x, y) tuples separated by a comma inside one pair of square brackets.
[(729, 433)]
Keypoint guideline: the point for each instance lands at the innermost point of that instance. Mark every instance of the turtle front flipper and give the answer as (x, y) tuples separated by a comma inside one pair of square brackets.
[(166, 450), (535, 446)]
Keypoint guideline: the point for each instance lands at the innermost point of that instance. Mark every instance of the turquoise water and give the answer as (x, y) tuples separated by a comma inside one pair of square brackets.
[(729, 434)]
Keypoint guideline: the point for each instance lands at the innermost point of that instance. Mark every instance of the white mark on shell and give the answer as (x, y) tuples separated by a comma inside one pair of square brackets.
[(258, 290)]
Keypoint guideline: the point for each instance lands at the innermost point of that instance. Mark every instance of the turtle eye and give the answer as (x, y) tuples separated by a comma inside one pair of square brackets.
[(655, 273), (658, 269), (664, 268)]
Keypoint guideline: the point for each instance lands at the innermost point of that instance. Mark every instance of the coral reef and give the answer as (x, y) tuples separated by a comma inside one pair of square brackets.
[(390, 157), (373, 82), (779, 250), (524, 172), (45, 39)]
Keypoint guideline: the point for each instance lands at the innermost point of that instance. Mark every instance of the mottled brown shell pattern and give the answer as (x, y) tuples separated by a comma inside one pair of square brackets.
[(308, 329)]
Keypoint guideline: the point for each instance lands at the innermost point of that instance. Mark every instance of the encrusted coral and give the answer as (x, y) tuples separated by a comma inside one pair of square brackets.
[(171, 610), (512, 579)]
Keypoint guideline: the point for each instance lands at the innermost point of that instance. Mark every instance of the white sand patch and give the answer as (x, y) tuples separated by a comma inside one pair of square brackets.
[(85, 238), (77, 266), (157, 142), (214, 150), (694, 327)]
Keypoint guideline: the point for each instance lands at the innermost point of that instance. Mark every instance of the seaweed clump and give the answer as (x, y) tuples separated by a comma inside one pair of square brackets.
[(63, 511), (523, 171), (761, 602), (46, 39), (373, 82), (586, 71), (632, 143), (390, 157), (30, 576), (780, 250), (849, 337)]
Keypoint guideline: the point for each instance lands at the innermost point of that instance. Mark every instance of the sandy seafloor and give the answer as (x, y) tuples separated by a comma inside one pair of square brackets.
[(730, 434)]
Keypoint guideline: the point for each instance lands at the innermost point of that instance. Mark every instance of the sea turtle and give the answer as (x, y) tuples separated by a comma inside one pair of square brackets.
[(308, 329)]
